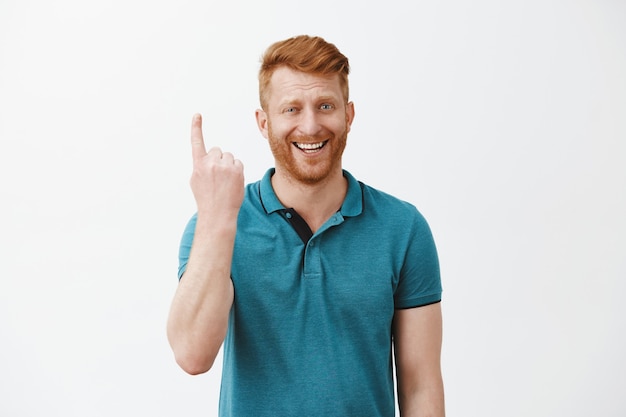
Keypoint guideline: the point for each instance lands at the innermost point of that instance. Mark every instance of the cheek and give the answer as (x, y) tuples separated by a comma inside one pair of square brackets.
[(340, 126), (277, 128), (277, 133)]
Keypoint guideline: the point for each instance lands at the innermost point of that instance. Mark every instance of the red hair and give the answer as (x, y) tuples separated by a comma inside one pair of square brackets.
[(312, 55)]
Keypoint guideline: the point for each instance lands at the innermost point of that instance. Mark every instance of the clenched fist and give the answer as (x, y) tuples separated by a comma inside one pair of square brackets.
[(217, 179)]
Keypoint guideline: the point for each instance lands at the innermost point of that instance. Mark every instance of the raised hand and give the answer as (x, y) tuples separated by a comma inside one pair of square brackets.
[(217, 179)]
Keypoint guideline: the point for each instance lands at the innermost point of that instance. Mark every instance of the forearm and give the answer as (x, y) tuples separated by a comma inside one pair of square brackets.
[(422, 402), (198, 317)]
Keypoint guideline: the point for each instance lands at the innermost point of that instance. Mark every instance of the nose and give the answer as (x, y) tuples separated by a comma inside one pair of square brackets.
[(310, 122)]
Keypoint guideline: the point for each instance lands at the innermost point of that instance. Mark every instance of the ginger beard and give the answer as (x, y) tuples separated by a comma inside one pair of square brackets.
[(307, 170)]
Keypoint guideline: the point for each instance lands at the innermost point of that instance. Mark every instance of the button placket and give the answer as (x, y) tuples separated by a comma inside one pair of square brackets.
[(312, 254), (312, 259)]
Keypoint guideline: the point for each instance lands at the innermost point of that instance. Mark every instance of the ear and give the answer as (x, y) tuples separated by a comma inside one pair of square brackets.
[(261, 122), (349, 115)]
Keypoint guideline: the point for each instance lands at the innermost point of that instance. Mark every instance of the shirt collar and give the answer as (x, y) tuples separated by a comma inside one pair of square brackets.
[(352, 204)]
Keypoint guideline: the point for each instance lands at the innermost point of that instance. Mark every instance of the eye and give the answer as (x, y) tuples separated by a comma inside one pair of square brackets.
[(327, 106), (290, 110)]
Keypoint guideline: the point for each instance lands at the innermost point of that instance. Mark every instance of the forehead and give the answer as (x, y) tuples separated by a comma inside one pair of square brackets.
[(289, 84)]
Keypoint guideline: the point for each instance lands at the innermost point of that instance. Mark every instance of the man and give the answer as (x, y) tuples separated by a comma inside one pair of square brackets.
[(307, 276)]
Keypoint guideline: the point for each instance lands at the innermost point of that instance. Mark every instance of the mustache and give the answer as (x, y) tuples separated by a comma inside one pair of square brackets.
[(310, 139)]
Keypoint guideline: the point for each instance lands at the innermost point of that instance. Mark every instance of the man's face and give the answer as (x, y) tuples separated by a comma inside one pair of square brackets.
[(306, 122)]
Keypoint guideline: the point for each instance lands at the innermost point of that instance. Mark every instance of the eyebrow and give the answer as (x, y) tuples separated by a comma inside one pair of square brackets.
[(292, 101), (328, 98), (288, 102)]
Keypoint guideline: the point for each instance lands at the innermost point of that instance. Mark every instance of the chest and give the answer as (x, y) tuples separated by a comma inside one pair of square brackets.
[(343, 273)]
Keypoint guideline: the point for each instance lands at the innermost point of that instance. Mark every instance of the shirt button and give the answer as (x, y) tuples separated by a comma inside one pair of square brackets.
[(288, 215), (312, 244)]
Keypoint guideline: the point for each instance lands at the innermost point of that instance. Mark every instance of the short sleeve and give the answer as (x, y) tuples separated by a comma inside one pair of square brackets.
[(420, 281), (185, 245)]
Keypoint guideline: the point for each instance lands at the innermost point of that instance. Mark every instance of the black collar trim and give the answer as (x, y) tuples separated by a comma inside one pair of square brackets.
[(298, 224)]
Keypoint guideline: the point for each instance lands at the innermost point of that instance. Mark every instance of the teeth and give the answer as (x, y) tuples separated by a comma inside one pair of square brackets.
[(310, 146)]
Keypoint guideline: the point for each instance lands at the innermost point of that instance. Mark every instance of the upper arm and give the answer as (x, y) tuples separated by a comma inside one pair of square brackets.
[(417, 346)]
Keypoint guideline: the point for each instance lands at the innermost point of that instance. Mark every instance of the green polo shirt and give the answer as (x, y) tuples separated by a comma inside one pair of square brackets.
[(310, 328)]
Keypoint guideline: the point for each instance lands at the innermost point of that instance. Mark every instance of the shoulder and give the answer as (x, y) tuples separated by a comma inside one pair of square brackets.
[(389, 205)]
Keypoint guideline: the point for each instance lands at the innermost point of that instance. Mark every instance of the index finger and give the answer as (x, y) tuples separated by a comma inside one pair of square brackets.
[(198, 149)]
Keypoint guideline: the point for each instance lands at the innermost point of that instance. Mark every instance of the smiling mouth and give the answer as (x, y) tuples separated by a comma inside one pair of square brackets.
[(310, 147)]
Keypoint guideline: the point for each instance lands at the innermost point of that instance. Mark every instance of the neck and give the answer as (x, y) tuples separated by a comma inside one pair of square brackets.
[(315, 203)]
